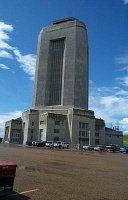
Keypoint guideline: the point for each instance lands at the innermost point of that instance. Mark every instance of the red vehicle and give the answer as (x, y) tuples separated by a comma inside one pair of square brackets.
[(7, 176)]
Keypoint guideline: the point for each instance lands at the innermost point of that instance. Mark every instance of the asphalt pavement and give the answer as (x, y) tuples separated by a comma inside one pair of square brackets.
[(44, 174)]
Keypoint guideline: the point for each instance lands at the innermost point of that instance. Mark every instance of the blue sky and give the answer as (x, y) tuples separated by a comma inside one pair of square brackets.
[(107, 25)]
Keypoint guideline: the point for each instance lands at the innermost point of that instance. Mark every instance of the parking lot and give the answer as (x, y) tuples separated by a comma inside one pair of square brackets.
[(44, 174)]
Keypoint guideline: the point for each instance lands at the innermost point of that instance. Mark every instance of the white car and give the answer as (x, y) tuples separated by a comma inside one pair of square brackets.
[(60, 144), (49, 144), (88, 147), (99, 148)]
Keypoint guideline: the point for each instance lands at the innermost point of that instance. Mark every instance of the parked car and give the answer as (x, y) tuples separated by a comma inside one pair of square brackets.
[(49, 144), (29, 143), (123, 150), (60, 144), (41, 144), (88, 147), (1, 139), (112, 148), (65, 145), (99, 148), (34, 143)]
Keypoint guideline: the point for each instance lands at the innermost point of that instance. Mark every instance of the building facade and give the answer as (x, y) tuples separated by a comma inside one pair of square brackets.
[(60, 101), (62, 65), (113, 135), (71, 125), (13, 131)]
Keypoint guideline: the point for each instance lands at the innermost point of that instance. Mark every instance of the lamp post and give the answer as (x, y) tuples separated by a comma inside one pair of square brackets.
[(89, 137)]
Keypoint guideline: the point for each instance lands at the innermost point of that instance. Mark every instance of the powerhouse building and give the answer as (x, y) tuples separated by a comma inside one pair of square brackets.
[(62, 65), (60, 102), (13, 131)]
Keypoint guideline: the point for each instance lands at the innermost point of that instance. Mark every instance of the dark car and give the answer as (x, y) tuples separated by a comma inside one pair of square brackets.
[(41, 144), (123, 150), (29, 143), (112, 148)]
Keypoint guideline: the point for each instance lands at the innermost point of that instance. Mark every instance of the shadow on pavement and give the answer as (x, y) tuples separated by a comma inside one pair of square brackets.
[(15, 196)]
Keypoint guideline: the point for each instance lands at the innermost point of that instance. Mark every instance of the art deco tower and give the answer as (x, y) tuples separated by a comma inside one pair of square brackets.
[(62, 65)]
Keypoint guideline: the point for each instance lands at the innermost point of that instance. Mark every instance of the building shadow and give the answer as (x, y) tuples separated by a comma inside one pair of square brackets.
[(15, 196)]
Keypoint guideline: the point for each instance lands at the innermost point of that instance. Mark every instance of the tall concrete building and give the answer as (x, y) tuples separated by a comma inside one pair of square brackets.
[(60, 102), (62, 65)]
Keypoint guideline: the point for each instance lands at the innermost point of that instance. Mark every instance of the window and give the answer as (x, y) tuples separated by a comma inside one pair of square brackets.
[(80, 124), (23, 125), (57, 122), (79, 133), (83, 133), (56, 138), (32, 123), (84, 140), (83, 129), (56, 130), (86, 126), (97, 128), (97, 134), (55, 69), (86, 133), (96, 141), (83, 125), (62, 123), (41, 122)]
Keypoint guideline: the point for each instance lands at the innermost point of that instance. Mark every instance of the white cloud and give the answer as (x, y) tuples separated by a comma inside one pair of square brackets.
[(125, 1), (5, 29), (122, 60), (5, 54), (8, 116), (27, 62), (123, 80), (2, 66), (109, 101), (122, 93), (90, 82), (110, 104), (123, 123), (5, 45), (4, 35)]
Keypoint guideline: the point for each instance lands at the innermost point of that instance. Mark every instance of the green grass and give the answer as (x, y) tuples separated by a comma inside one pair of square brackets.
[(125, 140)]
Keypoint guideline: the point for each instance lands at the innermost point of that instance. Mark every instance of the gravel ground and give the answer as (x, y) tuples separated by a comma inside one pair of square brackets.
[(44, 174)]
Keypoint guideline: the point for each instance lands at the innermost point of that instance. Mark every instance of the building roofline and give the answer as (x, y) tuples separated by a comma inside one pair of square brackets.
[(63, 20)]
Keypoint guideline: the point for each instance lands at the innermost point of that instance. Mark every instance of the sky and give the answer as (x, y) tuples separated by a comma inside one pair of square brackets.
[(107, 26)]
